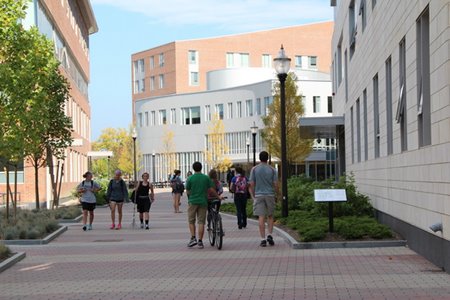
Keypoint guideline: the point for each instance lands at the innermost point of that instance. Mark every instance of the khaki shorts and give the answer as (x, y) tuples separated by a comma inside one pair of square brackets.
[(264, 206), (197, 212)]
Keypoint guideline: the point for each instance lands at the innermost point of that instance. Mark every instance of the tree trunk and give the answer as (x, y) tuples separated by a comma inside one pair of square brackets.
[(15, 191), (6, 169), (61, 174), (36, 183), (52, 176)]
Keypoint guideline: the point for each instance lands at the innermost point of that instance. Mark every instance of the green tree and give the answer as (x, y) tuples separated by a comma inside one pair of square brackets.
[(168, 151), (217, 146), (298, 148)]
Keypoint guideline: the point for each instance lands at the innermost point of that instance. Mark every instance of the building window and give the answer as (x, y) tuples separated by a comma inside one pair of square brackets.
[(402, 104), (266, 105), (352, 135), (258, 106), (20, 173), (192, 56), (162, 117), (249, 108), (161, 81), (346, 75), (190, 115), (330, 104), (173, 116), (267, 61), (153, 118), (141, 122), (423, 78), (161, 59), (358, 130), (312, 62), (152, 83), (193, 79), (339, 65), (219, 110), (352, 26), (366, 140), (362, 12), (139, 76), (239, 109), (376, 117), (298, 62), (237, 60), (389, 133), (152, 62), (230, 110), (146, 119), (374, 2), (316, 104), (207, 113)]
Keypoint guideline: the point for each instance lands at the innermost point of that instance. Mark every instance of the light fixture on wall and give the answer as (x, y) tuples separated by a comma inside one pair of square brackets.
[(436, 227)]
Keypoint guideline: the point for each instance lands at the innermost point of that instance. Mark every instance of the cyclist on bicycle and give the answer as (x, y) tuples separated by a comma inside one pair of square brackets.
[(212, 196)]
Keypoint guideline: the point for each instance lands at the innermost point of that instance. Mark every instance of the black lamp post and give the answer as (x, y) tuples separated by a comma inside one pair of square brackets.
[(134, 136), (282, 64), (153, 169), (254, 130), (109, 161), (248, 151)]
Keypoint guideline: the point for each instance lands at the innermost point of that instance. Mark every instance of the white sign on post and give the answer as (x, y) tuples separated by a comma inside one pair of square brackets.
[(331, 195)]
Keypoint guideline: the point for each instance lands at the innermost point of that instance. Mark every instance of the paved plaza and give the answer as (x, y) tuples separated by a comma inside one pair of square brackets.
[(156, 264)]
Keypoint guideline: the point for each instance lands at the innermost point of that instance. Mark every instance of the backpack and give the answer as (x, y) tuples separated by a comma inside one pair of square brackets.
[(92, 183), (108, 192), (241, 185)]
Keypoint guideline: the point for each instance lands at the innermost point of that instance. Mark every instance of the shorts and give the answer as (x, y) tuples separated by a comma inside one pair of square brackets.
[(197, 211), (116, 201), (143, 204), (264, 205), (88, 206)]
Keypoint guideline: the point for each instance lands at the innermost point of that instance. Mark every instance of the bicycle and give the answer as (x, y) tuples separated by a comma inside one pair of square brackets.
[(215, 229)]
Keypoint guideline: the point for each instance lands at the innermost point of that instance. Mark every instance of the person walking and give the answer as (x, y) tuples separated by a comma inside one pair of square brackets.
[(87, 188), (213, 196), (145, 196), (198, 187), (263, 184), (239, 184), (177, 190), (116, 194)]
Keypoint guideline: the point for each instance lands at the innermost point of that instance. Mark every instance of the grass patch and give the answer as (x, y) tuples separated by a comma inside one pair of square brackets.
[(29, 224), (4, 252)]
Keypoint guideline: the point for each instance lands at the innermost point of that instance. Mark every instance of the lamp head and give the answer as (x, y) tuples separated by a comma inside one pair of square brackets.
[(254, 128), (282, 63), (134, 133)]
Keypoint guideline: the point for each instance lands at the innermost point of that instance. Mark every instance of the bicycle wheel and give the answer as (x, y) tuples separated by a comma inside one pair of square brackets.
[(211, 231), (219, 232)]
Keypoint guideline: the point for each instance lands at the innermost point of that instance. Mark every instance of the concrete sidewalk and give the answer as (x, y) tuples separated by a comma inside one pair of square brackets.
[(156, 264)]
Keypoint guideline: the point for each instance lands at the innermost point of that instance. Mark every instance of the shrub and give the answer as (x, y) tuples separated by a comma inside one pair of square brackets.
[(4, 252), (67, 212)]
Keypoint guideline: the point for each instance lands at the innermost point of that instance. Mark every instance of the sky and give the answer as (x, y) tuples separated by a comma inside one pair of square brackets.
[(129, 26)]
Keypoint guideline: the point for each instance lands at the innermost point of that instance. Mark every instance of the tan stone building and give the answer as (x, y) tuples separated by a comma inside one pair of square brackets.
[(68, 25)]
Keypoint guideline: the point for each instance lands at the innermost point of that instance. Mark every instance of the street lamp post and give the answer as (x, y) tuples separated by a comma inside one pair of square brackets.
[(107, 170), (282, 64), (248, 151), (153, 169), (134, 136), (254, 130)]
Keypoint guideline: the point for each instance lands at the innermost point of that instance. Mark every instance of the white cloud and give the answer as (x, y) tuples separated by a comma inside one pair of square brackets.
[(233, 15)]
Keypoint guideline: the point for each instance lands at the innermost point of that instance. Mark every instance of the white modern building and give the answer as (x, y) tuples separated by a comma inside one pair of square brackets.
[(391, 79), (240, 97)]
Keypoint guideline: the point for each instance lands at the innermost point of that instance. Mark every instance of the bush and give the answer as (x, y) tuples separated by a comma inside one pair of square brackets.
[(34, 224), (67, 212), (4, 252)]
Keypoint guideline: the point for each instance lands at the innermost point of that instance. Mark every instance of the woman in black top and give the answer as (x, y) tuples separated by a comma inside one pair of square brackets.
[(144, 199)]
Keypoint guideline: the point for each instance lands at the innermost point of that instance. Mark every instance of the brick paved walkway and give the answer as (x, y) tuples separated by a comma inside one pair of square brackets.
[(156, 264)]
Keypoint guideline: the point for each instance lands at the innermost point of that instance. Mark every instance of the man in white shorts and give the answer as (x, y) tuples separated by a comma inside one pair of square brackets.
[(263, 184)]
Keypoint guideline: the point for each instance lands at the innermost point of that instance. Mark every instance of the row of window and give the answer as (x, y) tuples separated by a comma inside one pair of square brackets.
[(139, 84), (423, 99)]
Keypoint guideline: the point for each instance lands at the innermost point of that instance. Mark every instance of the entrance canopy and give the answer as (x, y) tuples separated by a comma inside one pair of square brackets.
[(100, 154), (321, 127)]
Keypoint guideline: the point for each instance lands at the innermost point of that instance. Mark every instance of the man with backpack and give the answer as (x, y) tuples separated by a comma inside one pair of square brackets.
[(239, 186), (263, 184)]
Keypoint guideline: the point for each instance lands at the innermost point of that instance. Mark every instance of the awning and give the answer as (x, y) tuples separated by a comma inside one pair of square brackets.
[(320, 127)]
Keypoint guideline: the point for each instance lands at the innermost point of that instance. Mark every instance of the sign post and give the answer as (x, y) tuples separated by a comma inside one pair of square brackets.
[(330, 196)]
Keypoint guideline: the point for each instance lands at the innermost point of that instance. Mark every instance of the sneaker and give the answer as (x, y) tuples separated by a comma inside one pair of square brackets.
[(142, 225), (192, 242), (112, 226), (270, 240), (263, 243), (200, 244), (119, 227), (89, 227), (146, 227), (84, 227)]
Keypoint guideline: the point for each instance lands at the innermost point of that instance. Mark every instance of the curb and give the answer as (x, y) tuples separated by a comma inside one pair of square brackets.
[(43, 241), (329, 245), (7, 263), (69, 221)]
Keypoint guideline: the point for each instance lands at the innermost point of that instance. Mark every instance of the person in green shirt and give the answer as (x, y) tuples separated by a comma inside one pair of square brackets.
[(197, 188)]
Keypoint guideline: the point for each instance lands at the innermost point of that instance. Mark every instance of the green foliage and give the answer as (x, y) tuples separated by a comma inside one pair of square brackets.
[(67, 212), (5, 252), (33, 224)]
